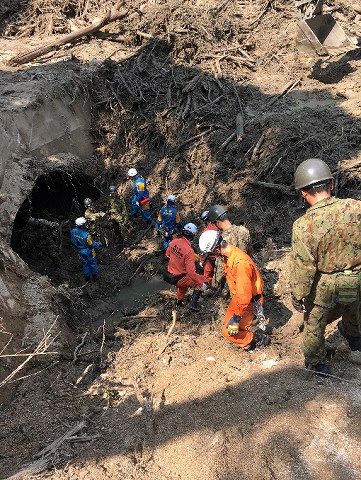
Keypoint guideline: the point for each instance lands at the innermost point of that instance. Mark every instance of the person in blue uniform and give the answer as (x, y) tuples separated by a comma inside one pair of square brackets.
[(140, 200), (168, 221), (86, 247)]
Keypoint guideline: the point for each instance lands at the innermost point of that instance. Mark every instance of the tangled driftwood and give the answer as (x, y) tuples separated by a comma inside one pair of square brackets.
[(116, 13)]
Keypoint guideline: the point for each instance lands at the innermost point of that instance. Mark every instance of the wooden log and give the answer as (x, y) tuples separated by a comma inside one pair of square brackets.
[(287, 88), (116, 13), (239, 126), (272, 186), (171, 328), (258, 146), (46, 455), (78, 347)]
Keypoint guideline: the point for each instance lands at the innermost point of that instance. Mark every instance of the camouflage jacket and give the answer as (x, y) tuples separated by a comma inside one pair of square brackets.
[(238, 236), (92, 216), (325, 240), (117, 208)]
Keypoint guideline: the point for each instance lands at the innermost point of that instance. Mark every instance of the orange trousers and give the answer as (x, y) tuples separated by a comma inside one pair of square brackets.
[(193, 280), (244, 336), (208, 269)]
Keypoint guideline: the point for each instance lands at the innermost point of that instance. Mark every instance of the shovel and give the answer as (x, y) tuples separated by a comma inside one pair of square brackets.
[(316, 32)]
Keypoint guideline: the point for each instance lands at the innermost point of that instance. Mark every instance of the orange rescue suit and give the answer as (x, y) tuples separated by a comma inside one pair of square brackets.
[(245, 283), (181, 260)]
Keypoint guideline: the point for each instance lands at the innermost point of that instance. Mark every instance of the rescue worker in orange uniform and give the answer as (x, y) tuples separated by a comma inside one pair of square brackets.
[(246, 286), (182, 269), (208, 264)]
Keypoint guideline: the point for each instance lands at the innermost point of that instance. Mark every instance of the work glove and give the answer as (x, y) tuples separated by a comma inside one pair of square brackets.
[(297, 304), (233, 325), (137, 204)]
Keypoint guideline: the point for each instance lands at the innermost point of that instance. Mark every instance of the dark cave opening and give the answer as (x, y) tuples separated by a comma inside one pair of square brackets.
[(56, 199)]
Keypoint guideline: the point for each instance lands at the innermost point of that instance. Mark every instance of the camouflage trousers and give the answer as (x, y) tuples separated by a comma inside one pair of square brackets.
[(122, 226), (316, 318), (219, 276)]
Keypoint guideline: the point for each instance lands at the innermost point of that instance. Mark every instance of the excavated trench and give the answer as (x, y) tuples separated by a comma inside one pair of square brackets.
[(62, 139)]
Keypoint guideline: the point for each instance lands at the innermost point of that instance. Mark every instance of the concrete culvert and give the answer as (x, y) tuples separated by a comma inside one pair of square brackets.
[(41, 228)]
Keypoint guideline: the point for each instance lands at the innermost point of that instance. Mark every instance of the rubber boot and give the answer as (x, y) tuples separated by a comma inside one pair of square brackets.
[(320, 369), (95, 277), (354, 342), (193, 304), (260, 340)]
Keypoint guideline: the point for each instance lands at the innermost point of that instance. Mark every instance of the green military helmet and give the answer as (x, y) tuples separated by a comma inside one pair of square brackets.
[(311, 171), (112, 189), (33, 221), (87, 202), (215, 212)]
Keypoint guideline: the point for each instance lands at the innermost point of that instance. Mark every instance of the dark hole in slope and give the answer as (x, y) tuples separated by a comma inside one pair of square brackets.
[(56, 197)]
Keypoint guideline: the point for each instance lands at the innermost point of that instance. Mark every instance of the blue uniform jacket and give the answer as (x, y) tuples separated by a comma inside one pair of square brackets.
[(83, 242), (169, 217), (140, 189)]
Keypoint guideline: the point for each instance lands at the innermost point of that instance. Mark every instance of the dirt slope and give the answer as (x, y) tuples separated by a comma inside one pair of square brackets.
[(165, 87)]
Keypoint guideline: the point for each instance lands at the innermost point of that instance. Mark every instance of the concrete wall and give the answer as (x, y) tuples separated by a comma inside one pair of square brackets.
[(34, 139)]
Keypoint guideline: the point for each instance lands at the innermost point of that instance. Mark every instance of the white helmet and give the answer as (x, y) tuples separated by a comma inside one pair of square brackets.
[(209, 240), (132, 172), (80, 222), (171, 198), (204, 215), (190, 230)]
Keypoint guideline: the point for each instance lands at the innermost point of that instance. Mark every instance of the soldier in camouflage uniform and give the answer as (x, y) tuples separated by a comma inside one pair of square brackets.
[(118, 213), (236, 235), (47, 238), (93, 219), (326, 264)]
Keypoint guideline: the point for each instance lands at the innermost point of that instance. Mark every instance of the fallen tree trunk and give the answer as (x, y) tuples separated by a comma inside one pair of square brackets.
[(273, 186), (115, 14)]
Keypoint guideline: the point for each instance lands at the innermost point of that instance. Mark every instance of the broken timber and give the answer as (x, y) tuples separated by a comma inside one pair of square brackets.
[(114, 14), (272, 186)]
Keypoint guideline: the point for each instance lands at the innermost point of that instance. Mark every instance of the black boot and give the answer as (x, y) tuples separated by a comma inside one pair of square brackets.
[(260, 340), (87, 279), (179, 302), (193, 304), (354, 342), (95, 277), (319, 369)]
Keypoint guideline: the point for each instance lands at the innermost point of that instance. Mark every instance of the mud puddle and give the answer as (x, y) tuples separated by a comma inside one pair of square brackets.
[(133, 297)]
